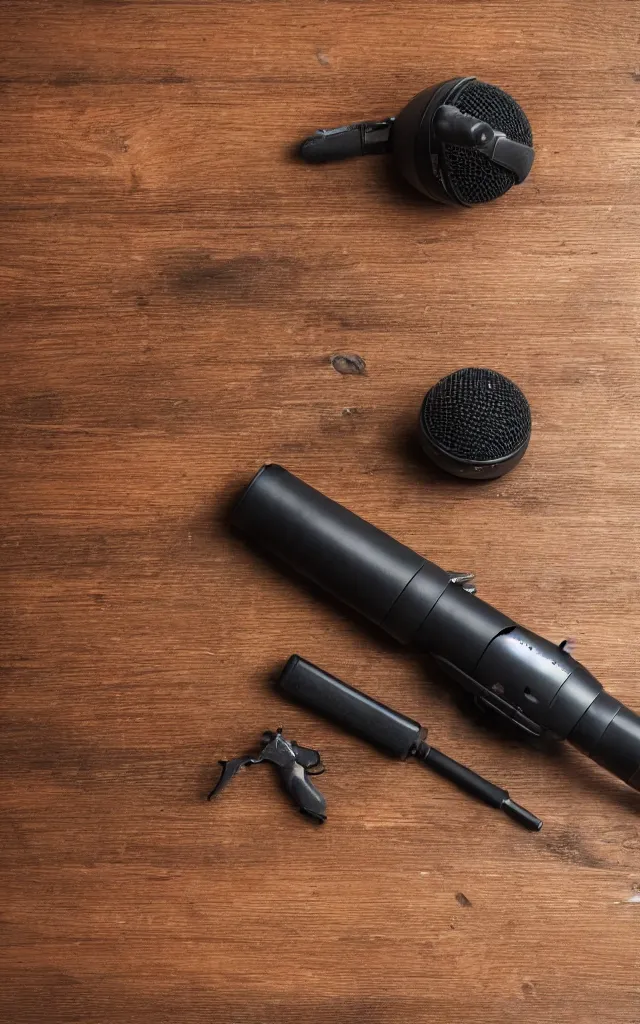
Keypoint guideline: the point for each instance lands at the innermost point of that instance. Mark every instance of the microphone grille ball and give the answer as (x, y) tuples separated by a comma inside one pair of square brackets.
[(472, 176), (475, 423)]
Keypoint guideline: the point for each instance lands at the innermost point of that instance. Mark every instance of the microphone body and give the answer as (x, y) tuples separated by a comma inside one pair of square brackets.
[(509, 670)]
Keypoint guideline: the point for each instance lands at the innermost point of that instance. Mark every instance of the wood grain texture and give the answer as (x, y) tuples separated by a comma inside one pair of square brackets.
[(173, 285)]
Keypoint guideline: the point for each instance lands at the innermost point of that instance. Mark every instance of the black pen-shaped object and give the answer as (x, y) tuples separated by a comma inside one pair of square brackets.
[(395, 733)]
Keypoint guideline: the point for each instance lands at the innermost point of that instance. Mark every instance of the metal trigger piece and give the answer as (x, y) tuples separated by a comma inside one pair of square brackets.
[(294, 763)]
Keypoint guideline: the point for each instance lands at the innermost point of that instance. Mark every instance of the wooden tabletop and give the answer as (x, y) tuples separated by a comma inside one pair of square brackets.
[(174, 285)]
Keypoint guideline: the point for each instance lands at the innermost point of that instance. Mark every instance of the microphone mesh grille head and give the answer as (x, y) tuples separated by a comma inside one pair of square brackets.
[(473, 177), (477, 415)]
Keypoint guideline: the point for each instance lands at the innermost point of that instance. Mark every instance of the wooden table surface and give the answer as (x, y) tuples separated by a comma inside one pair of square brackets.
[(174, 284)]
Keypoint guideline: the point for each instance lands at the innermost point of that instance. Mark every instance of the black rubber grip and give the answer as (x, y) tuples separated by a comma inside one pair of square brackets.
[(356, 711)]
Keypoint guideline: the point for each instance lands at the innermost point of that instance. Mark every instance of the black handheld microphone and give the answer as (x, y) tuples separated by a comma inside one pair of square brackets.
[(460, 142), (509, 670)]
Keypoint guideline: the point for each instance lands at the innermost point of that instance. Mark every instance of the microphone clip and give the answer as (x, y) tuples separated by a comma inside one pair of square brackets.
[(453, 128)]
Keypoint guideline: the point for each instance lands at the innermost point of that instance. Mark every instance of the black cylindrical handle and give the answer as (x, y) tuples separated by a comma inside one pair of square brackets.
[(331, 546), (356, 711)]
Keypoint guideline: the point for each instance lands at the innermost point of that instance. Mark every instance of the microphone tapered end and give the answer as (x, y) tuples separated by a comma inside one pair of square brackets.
[(521, 815)]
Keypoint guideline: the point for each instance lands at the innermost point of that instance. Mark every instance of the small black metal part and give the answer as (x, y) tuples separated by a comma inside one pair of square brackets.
[(474, 784), (229, 770), (293, 762)]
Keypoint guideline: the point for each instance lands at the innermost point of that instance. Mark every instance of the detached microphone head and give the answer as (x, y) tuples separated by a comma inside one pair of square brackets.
[(475, 423), (460, 142)]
